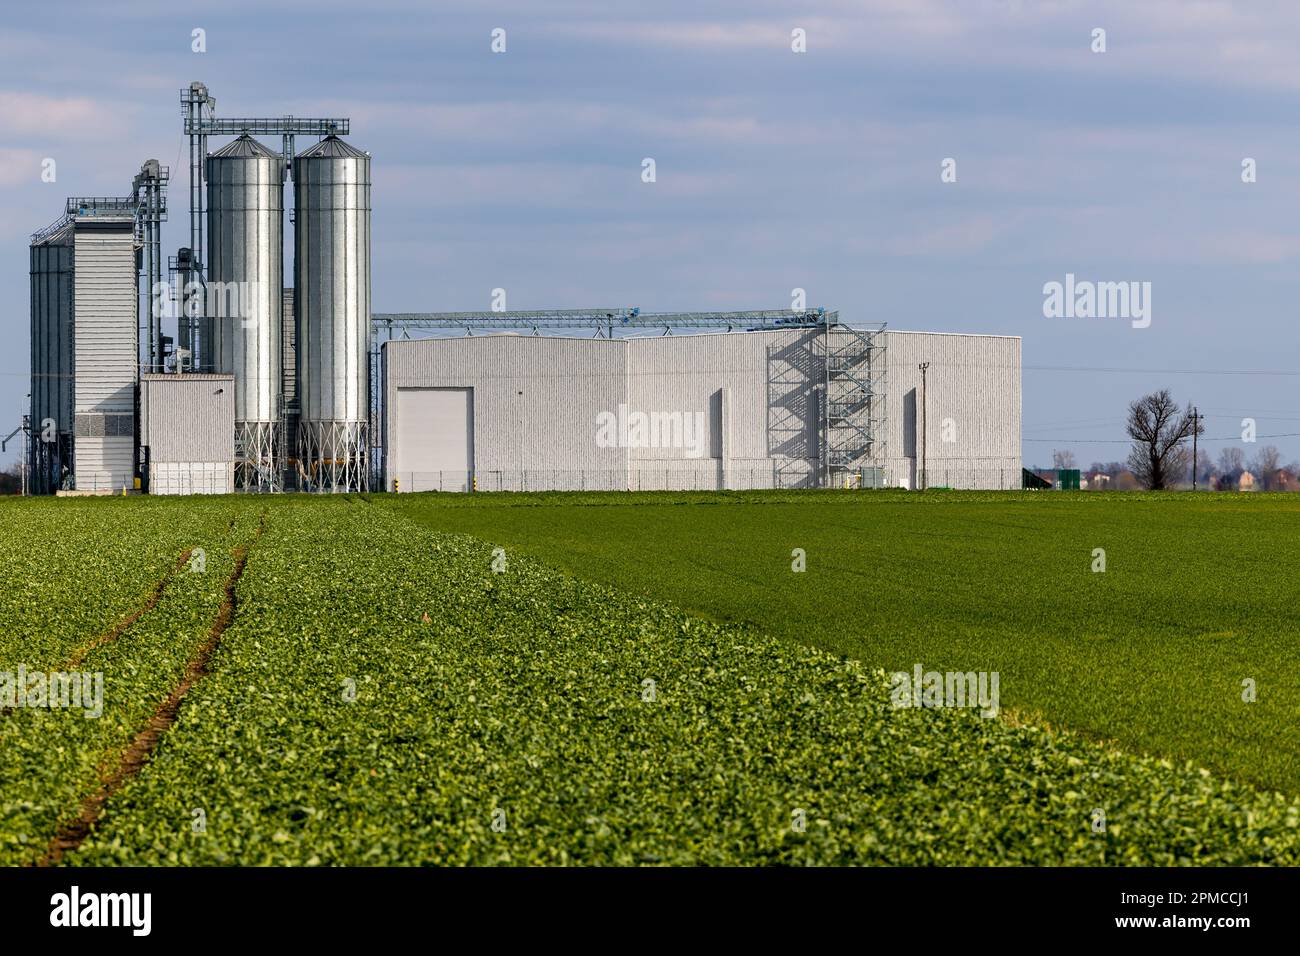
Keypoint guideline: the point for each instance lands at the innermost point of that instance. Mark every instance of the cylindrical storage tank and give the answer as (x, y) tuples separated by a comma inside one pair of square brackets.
[(332, 310), (50, 453), (243, 299)]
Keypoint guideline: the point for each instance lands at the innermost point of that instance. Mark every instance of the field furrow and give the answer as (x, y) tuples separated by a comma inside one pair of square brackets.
[(384, 697), (58, 757)]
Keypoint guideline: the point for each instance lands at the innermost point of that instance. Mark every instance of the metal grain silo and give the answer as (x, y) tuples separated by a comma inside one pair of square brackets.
[(332, 298), (243, 325), (50, 454)]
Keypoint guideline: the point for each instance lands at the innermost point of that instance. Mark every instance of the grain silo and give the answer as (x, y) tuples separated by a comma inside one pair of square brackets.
[(51, 408), (243, 299), (85, 336), (332, 298)]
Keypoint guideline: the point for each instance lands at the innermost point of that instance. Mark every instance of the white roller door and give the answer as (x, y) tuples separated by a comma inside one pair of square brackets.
[(435, 439)]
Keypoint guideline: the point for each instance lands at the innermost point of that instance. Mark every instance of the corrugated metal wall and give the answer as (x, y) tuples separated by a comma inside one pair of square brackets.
[(751, 391), (187, 425), (332, 281), (245, 250), (972, 397), (535, 406), (105, 353), (51, 347), (755, 396)]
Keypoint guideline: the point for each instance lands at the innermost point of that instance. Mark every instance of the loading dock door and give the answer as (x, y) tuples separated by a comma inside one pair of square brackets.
[(435, 439)]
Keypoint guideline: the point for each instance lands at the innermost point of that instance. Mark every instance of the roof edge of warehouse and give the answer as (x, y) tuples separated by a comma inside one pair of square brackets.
[(657, 333), (975, 335)]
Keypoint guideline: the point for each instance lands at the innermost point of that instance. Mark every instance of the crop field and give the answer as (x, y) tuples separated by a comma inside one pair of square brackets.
[(636, 680), (1198, 595)]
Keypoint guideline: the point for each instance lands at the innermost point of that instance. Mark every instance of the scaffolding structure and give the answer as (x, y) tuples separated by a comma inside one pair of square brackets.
[(150, 194), (332, 456), (853, 406), (258, 452)]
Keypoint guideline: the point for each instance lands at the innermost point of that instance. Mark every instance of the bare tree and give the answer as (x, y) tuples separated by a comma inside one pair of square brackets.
[(1124, 481), (1265, 466), (1231, 464), (1063, 459), (1158, 430)]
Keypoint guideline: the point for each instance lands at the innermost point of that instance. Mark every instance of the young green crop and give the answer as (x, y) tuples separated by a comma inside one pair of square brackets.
[(55, 757), (75, 568), (385, 697), (1197, 595)]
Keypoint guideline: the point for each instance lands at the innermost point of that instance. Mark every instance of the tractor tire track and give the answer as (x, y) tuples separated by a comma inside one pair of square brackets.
[(151, 602), (121, 627), (125, 623), (133, 759)]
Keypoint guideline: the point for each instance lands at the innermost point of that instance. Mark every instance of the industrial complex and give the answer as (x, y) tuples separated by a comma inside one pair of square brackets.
[(208, 373)]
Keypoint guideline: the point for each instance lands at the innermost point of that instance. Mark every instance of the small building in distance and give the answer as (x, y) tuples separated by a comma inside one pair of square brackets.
[(187, 433)]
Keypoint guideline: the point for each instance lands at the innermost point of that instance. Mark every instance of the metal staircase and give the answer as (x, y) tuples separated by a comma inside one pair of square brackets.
[(853, 406)]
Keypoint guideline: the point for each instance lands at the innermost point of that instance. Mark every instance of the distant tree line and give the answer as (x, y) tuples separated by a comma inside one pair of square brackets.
[(1161, 456)]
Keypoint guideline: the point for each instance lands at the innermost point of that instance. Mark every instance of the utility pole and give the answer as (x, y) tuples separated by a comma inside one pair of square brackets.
[(523, 430), (922, 482), (1196, 427), (27, 436)]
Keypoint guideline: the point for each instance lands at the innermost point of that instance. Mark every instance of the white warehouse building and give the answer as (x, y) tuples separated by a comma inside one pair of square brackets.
[(777, 408)]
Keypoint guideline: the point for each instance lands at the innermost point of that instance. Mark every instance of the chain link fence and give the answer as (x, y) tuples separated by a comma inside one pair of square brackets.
[(772, 475)]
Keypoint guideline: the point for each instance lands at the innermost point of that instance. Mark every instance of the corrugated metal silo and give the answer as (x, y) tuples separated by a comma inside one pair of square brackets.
[(332, 295), (51, 317), (105, 345), (244, 294)]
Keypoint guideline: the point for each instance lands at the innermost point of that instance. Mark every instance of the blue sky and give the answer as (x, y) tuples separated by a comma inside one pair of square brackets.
[(775, 170)]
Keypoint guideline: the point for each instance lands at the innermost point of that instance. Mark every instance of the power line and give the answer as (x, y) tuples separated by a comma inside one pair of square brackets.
[(1159, 371), (1129, 441)]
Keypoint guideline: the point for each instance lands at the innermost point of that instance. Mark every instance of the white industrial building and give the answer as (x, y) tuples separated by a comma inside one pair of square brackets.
[(265, 387), (725, 410)]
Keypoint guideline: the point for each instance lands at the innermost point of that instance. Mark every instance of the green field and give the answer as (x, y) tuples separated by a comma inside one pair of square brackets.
[(644, 680), (1199, 593)]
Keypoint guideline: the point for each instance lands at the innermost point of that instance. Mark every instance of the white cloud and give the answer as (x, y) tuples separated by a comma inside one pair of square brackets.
[(19, 167), (75, 118)]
